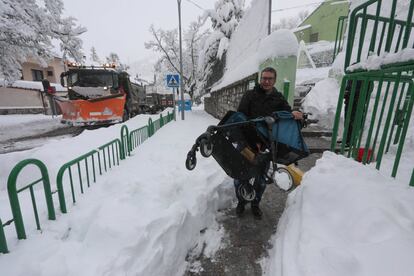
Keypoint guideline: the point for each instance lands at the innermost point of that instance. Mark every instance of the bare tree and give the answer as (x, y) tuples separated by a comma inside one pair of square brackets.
[(166, 43), (290, 22)]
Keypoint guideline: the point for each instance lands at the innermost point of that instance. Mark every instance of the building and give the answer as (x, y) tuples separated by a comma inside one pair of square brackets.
[(322, 23), (26, 95), (33, 71)]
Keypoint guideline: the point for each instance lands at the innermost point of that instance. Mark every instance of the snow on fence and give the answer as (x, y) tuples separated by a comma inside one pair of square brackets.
[(379, 78), (84, 167), (379, 27)]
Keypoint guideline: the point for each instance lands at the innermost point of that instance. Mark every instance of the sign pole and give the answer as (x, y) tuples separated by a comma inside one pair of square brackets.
[(175, 116), (181, 62)]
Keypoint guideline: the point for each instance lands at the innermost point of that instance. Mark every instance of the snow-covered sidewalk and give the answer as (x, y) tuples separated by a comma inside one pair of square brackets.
[(141, 218)]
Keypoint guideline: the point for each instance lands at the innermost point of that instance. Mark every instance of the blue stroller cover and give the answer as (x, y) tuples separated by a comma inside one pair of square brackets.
[(285, 131)]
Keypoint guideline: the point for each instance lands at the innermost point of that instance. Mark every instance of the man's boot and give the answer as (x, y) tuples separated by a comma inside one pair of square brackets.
[(240, 208), (257, 213)]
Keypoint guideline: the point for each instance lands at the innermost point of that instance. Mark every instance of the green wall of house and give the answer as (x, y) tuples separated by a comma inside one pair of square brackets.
[(323, 21)]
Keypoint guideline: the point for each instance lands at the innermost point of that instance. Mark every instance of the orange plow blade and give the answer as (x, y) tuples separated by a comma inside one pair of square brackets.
[(93, 112)]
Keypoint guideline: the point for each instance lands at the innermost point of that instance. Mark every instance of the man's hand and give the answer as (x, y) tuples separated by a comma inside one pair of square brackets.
[(297, 115)]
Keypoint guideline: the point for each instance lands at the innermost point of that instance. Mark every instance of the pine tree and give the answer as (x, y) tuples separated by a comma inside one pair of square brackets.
[(113, 58), (94, 56)]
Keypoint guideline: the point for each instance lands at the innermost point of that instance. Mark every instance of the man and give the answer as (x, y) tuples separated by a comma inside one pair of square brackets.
[(262, 101)]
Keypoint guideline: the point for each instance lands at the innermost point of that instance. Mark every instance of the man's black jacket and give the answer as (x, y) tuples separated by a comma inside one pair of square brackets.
[(256, 103)]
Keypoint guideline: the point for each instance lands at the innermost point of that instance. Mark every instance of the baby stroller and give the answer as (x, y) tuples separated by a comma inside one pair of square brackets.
[(234, 144)]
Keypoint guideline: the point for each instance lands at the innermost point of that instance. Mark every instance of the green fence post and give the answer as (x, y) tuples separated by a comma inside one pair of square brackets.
[(3, 242), (150, 127), (161, 121), (412, 179), (14, 200), (125, 133), (286, 85)]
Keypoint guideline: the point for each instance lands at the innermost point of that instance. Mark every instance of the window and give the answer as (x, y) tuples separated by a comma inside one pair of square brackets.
[(37, 75), (314, 37), (50, 73)]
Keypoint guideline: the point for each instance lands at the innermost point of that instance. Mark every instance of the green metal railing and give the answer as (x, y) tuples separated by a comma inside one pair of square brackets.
[(88, 160), (378, 113), (84, 169), (379, 102), (3, 241), (151, 130), (125, 145), (14, 199), (286, 85), (340, 30), (157, 125), (386, 31), (111, 153)]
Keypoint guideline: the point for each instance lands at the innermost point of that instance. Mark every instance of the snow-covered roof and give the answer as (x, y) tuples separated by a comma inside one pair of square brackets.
[(241, 55), (298, 29), (281, 43)]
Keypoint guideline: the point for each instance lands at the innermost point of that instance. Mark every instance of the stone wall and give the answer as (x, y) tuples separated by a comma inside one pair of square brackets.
[(228, 98)]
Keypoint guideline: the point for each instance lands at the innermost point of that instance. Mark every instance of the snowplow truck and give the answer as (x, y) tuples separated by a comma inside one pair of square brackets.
[(97, 96)]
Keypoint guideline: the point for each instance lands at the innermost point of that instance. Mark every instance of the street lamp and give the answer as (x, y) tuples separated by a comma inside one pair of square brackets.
[(181, 61)]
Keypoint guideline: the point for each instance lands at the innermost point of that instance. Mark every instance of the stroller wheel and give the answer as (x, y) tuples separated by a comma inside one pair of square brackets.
[(190, 162), (247, 192), (283, 179), (206, 148)]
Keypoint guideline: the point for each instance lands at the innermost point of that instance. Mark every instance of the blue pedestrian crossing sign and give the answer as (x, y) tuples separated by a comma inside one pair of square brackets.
[(173, 80)]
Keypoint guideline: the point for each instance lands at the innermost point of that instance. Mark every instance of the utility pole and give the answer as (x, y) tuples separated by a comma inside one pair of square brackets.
[(181, 62), (269, 27)]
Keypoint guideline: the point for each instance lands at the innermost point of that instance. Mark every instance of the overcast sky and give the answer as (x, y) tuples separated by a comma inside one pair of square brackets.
[(122, 26)]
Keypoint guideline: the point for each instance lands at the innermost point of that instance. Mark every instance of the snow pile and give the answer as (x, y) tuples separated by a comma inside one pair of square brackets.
[(309, 75), (322, 102), (280, 43), (375, 62), (141, 218), (335, 224), (250, 45), (242, 58), (337, 70), (320, 46)]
